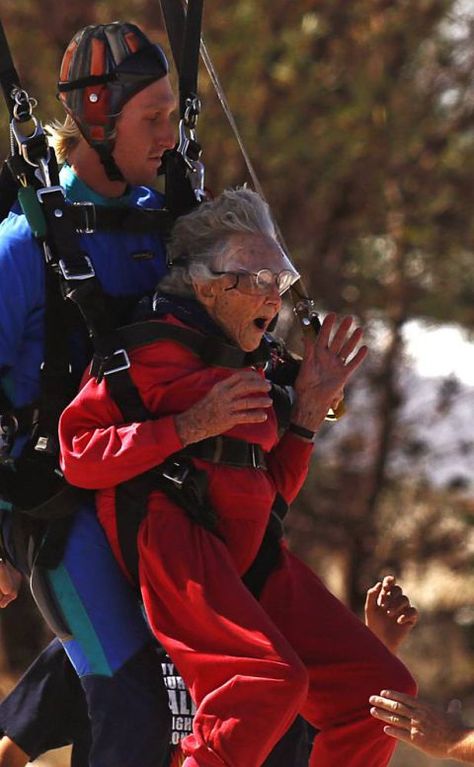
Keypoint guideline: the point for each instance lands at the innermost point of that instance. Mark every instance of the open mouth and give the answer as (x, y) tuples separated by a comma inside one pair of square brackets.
[(261, 323)]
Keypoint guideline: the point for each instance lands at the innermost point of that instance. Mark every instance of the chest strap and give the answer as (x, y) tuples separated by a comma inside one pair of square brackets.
[(181, 481), (113, 362), (87, 218), (211, 350)]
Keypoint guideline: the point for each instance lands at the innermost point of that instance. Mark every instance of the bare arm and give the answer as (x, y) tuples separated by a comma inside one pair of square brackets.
[(422, 725)]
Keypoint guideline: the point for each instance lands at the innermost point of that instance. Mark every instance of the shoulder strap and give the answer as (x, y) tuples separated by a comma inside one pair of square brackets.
[(88, 218), (113, 362)]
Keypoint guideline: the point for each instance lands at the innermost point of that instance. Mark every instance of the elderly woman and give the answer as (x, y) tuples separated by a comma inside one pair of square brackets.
[(251, 666)]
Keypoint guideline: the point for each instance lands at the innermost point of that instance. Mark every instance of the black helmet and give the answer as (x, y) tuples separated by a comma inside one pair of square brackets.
[(103, 67)]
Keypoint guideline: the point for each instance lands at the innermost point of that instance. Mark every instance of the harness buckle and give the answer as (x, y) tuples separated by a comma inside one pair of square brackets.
[(101, 364), (256, 456), (34, 143), (192, 110), (90, 218), (176, 472), (122, 364), (45, 190), (82, 271)]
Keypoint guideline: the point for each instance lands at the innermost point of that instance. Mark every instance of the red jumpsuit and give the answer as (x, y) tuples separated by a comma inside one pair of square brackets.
[(250, 666)]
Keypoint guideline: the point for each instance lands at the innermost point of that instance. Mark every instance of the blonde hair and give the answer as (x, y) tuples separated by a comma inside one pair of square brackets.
[(63, 137)]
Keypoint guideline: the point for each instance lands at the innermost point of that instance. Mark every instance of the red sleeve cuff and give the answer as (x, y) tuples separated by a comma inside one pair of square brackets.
[(166, 435)]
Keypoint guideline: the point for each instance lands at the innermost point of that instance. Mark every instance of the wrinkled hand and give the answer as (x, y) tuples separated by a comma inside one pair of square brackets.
[(325, 370), (388, 613), (420, 724), (10, 580), (241, 398)]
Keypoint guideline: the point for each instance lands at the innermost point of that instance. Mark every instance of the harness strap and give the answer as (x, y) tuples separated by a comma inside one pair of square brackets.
[(212, 350), (8, 74), (87, 218), (228, 451), (8, 191), (184, 35), (175, 20), (56, 386), (179, 479), (188, 70)]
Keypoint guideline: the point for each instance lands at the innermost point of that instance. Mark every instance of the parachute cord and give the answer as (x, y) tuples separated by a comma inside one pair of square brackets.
[(214, 77)]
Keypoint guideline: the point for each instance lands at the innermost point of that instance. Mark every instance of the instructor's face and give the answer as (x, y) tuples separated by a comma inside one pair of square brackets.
[(145, 129)]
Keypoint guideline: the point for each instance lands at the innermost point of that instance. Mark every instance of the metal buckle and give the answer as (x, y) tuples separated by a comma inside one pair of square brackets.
[(75, 274), (90, 217), (255, 457), (120, 366), (45, 190), (192, 111), (23, 141), (178, 476)]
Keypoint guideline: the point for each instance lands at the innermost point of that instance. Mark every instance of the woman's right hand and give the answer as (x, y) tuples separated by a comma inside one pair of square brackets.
[(241, 398)]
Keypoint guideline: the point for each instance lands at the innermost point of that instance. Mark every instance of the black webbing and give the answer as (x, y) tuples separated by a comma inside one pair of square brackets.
[(188, 72), (56, 385), (8, 74), (174, 17), (131, 499), (184, 35), (212, 350), (37, 478), (88, 217), (8, 191)]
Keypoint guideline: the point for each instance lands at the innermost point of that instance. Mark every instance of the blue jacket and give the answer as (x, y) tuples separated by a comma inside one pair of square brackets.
[(119, 269)]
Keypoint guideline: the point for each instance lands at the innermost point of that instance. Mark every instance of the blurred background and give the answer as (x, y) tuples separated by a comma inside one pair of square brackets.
[(359, 118)]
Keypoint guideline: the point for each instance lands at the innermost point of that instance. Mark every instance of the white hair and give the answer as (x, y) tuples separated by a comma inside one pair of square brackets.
[(199, 238)]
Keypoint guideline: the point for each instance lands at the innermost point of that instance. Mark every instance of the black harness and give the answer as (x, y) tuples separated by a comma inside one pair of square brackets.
[(178, 477), (71, 291)]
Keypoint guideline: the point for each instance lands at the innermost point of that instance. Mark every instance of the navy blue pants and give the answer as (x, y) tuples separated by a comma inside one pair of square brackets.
[(47, 709)]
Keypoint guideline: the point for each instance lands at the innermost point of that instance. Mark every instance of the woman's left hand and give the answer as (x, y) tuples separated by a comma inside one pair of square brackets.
[(325, 370)]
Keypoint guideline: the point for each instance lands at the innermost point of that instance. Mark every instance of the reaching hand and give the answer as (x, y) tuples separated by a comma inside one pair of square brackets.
[(424, 726), (325, 370), (388, 613), (241, 398), (10, 580)]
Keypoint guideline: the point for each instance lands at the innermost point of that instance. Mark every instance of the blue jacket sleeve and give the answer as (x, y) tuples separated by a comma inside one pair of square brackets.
[(21, 299)]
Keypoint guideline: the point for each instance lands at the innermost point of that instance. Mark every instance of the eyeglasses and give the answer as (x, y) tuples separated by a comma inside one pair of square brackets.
[(263, 282)]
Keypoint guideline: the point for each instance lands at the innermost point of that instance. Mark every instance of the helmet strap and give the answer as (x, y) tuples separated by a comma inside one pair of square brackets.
[(111, 168)]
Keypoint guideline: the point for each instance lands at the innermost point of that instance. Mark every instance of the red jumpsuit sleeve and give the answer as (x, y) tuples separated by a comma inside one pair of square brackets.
[(288, 464), (98, 450)]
